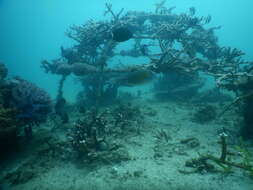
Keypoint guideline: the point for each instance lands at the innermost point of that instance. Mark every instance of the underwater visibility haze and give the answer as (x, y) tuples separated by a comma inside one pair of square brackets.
[(126, 94)]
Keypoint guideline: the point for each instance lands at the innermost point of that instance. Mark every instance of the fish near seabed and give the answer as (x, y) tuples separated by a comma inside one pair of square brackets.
[(135, 78), (121, 34)]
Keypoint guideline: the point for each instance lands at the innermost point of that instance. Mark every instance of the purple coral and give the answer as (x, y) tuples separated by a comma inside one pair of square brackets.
[(33, 103)]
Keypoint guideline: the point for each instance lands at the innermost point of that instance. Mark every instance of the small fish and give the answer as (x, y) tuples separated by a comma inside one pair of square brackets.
[(135, 78), (121, 34)]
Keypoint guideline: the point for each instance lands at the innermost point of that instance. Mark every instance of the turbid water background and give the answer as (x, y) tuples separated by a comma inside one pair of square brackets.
[(34, 30)]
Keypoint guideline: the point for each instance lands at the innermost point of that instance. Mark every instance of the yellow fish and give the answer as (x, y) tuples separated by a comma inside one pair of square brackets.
[(137, 77)]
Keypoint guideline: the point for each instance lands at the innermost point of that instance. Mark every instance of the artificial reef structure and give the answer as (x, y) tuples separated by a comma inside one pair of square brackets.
[(179, 48)]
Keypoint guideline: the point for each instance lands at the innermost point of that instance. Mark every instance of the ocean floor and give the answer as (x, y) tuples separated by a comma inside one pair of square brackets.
[(156, 156)]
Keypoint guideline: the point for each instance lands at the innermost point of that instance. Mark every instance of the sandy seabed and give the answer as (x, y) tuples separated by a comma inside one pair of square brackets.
[(153, 164)]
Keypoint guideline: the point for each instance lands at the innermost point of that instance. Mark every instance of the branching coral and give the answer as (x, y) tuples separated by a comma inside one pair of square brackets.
[(202, 163), (92, 137), (124, 115), (88, 134), (95, 45), (177, 37), (174, 44)]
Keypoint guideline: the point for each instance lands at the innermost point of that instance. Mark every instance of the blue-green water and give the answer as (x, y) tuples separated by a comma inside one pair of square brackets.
[(34, 30), (151, 122)]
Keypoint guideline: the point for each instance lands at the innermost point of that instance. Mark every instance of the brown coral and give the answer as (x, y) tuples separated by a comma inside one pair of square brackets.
[(8, 129), (3, 71)]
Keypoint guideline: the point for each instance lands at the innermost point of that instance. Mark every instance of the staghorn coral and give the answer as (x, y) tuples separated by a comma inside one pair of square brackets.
[(161, 30), (235, 74), (226, 161), (93, 141), (176, 44), (88, 134), (126, 114)]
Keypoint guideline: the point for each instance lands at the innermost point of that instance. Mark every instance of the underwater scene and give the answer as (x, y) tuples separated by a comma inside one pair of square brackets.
[(126, 95)]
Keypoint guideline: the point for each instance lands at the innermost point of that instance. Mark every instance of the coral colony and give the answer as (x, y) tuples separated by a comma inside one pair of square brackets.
[(184, 48), (178, 50)]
